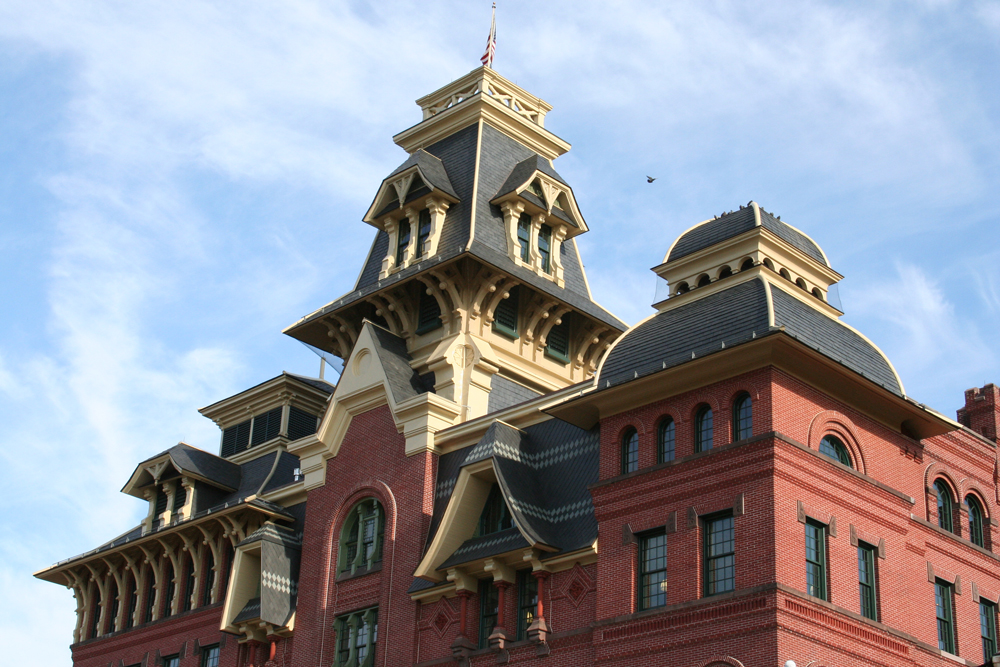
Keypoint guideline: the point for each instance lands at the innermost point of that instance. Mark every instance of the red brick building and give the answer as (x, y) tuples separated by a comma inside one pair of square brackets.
[(506, 473)]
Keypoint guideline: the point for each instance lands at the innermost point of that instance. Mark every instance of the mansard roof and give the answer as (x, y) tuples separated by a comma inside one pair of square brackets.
[(403, 381), (735, 315), (186, 460), (734, 223), (543, 471)]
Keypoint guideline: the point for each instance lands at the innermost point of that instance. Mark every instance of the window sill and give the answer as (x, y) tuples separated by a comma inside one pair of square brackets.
[(360, 572)]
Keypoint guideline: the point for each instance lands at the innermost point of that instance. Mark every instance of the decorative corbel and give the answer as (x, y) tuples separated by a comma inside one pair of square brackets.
[(512, 211), (399, 304), (548, 324), (502, 293), (538, 312), (437, 208), (591, 335), (334, 333), (389, 261), (383, 311), (413, 216), (431, 285), (555, 259), (598, 349), (402, 185)]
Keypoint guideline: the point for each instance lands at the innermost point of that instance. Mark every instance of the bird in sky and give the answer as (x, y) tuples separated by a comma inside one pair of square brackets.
[(650, 179)]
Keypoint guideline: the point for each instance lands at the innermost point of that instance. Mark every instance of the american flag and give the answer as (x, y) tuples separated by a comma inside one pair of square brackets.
[(491, 43)]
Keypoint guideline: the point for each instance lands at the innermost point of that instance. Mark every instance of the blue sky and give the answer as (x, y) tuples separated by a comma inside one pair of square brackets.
[(179, 181)]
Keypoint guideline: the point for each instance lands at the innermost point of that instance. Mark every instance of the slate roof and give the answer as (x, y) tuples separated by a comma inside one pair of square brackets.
[(404, 382), (733, 316), (523, 170), (431, 167), (735, 223), (499, 157), (543, 471), (270, 532), (188, 459)]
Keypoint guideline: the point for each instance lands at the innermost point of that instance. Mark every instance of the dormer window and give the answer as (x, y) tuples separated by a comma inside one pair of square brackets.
[(524, 236), (402, 241), (423, 233), (544, 247), (495, 516)]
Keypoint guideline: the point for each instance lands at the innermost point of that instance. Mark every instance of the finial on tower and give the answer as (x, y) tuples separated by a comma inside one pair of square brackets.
[(491, 42)]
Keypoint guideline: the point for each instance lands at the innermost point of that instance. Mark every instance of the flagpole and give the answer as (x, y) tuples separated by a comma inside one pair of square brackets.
[(491, 42)]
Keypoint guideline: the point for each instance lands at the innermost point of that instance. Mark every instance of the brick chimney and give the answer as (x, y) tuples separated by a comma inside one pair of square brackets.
[(982, 411)]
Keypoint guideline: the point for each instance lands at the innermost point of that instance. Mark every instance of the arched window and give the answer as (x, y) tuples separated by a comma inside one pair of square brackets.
[(630, 451), (496, 515), (801, 283), (703, 429), (683, 288), (785, 274), (768, 263), (704, 280), (665, 441), (725, 272), (831, 446), (976, 514), (747, 264), (816, 293), (361, 537), (944, 506), (742, 417)]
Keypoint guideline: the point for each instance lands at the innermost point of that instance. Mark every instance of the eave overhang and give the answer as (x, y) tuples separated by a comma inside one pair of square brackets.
[(399, 184), (152, 470), (263, 397)]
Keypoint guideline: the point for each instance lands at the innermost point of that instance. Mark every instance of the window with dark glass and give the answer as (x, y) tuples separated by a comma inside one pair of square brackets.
[(816, 559), (944, 506), (557, 342), (976, 534), (866, 581), (113, 611), (505, 315), (133, 603), (742, 417), (832, 447), (150, 596), (423, 233), (665, 440), (95, 614), (489, 606), (720, 554), (653, 569), (206, 594), (545, 246), (357, 634), (527, 602), (988, 628), (210, 656), (361, 537), (630, 451), (524, 236), (168, 607), (496, 515), (402, 241), (430, 313), (703, 429), (190, 588), (171, 661), (944, 609)]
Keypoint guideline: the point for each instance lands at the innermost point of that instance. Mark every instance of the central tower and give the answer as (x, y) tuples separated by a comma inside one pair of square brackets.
[(474, 275)]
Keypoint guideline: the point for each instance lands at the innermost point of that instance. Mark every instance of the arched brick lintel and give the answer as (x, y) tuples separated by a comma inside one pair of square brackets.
[(722, 661), (936, 471), (840, 425)]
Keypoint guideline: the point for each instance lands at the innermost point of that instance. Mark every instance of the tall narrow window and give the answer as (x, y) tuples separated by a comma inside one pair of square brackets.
[(988, 628), (832, 447), (489, 606), (653, 569), (742, 418), (495, 516), (665, 441), (190, 588), (114, 604), (527, 602), (150, 595), (402, 241), (505, 315), (816, 559), (206, 594), (944, 506), (945, 616), (95, 616), (976, 534), (210, 656), (544, 247), (357, 635), (133, 602), (524, 236), (720, 554), (703, 429), (424, 233), (866, 581), (557, 342), (430, 313), (168, 602), (361, 537), (630, 451)]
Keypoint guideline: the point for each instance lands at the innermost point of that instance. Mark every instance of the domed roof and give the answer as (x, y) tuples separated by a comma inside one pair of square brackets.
[(734, 223), (734, 316)]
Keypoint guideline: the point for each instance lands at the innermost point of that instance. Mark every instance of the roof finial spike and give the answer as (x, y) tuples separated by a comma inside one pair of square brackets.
[(692, 354)]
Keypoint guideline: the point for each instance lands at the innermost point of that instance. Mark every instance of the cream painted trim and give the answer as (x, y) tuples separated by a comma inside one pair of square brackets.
[(401, 182), (239, 583), (586, 282), (715, 287), (551, 190), (475, 186), (848, 326), (600, 367), (289, 495), (818, 246), (770, 301), (682, 234), (756, 214)]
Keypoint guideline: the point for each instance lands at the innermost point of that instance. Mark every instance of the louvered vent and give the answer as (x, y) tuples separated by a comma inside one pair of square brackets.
[(235, 438), (161, 502), (505, 315), (300, 423), (266, 426), (180, 497), (430, 313), (558, 341)]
